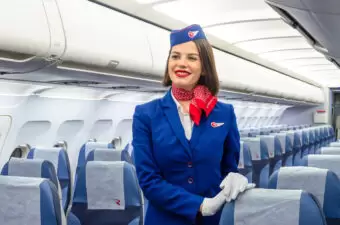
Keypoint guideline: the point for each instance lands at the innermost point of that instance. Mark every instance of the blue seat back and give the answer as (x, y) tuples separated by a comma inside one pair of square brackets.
[(305, 143), (260, 160), (105, 154), (330, 162), (59, 158), (311, 141), (322, 183), (31, 168), (297, 146), (274, 152), (109, 194), (85, 150), (269, 207), (28, 200), (286, 141), (245, 164), (330, 151)]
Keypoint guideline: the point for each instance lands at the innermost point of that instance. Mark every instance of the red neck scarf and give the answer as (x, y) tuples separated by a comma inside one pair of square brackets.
[(201, 99)]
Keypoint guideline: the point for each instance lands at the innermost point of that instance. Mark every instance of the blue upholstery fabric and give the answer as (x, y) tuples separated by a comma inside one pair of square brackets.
[(245, 165), (260, 160), (60, 160), (297, 145), (269, 207), (124, 208), (84, 151), (40, 168), (322, 183), (27, 200)]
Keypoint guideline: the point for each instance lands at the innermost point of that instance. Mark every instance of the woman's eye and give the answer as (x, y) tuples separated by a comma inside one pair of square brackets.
[(174, 57)]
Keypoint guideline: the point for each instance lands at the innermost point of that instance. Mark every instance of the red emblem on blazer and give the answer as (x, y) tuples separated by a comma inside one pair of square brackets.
[(214, 124)]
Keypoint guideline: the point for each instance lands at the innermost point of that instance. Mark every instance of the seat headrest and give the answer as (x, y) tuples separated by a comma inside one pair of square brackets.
[(27, 200), (58, 157), (93, 145), (257, 147), (330, 162), (31, 168), (330, 151), (267, 207), (102, 154), (322, 183), (111, 185)]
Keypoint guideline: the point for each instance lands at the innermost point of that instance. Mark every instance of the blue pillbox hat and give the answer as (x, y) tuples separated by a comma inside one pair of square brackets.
[(190, 33)]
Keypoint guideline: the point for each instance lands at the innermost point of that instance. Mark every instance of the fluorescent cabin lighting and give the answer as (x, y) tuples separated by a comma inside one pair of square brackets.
[(247, 31), (207, 12), (261, 46), (148, 1)]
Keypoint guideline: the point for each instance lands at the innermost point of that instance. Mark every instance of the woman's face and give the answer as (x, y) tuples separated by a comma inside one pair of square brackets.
[(184, 66)]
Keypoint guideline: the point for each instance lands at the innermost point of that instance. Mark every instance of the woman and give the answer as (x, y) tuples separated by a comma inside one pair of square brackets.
[(186, 145)]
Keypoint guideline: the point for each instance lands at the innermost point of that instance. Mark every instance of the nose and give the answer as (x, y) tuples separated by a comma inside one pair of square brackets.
[(182, 62)]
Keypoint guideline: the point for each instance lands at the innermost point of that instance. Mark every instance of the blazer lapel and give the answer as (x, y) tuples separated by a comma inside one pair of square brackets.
[(171, 113)]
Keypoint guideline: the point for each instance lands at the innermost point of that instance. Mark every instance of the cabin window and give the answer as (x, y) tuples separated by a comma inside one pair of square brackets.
[(17, 153), (21, 151), (61, 144)]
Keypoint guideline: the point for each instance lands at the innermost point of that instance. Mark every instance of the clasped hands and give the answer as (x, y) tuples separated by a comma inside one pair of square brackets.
[(231, 186)]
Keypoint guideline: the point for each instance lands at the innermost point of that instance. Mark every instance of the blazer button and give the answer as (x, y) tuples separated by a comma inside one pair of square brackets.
[(189, 164), (190, 180)]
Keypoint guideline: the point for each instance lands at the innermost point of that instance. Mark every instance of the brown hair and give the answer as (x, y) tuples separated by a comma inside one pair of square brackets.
[(210, 78)]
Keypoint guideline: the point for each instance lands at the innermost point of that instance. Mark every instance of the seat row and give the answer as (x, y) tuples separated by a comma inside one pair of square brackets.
[(264, 153), (105, 190)]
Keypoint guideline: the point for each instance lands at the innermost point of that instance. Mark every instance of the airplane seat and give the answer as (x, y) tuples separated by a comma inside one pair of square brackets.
[(330, 162), (245, 165), (84, 151), (113, 197), (317, 140), (59, 158), (104, 154), (39, 168), (260, 160), (334, 144), (305, 143), (297, 144), (332, 133), (324, 184), (244, 133), (311, 141), (285, 141), (330, 151), (129, 149), (31, 168), (274, 151), (268, 207), (29, 200), (254, 132), (264, 131)]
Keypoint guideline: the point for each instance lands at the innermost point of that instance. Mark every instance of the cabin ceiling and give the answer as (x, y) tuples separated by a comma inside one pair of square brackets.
[(248, 28)]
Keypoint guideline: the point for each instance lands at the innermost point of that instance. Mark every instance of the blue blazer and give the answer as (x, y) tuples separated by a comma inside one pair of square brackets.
[(176, 174)]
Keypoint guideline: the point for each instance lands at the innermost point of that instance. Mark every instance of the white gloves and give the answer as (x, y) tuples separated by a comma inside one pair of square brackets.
[(233, 184), (211, 205)]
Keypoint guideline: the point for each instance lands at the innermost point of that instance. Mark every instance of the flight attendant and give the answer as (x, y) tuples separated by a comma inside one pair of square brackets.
[(187, 144)]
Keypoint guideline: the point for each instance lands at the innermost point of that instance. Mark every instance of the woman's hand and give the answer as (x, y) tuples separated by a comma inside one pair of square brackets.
[(233, 184), (211, 205)]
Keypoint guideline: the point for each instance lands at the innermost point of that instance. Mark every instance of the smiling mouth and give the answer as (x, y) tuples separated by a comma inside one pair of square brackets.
[(182, 73)]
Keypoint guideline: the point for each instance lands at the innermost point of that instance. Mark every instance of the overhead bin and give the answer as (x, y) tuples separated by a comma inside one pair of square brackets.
[(318, 21), (31, 35), (103, 40)]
